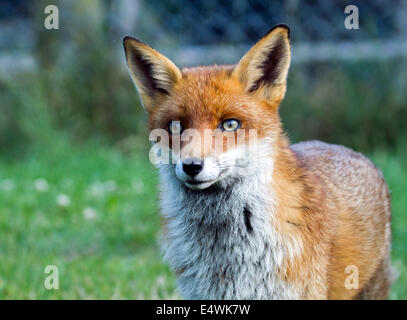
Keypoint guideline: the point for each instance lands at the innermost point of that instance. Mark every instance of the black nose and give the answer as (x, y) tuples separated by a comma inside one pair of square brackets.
[(192, 166)]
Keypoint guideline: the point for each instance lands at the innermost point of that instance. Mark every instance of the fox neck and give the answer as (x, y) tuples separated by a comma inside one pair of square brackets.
[(223, 243)]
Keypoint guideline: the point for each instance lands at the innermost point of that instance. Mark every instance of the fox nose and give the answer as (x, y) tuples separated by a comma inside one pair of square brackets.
[(192, 166)]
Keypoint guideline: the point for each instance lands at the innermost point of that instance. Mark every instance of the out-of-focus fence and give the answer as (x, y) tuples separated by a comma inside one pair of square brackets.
[(207, 31)]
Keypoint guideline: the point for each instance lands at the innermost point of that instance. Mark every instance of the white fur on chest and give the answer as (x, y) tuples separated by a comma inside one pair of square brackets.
[(223, 241)]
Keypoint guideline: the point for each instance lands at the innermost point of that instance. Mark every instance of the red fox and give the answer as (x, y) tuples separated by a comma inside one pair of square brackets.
[(303, 221)]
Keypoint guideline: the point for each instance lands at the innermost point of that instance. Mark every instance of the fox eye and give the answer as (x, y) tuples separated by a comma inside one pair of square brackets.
[(230, 125), (175, 127)]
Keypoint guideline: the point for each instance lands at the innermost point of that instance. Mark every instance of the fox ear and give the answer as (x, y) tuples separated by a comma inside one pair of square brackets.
[(264, 68), (153, 74)]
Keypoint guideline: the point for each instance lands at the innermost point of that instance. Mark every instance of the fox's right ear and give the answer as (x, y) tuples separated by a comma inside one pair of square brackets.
[(153, 74), (263, 69)]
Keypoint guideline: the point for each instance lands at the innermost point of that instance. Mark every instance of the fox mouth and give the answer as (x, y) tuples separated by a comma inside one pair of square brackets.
[(199, 185), (195, 184)]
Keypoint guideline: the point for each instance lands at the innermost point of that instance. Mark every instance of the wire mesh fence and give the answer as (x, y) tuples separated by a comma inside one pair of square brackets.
[(227, 28), (241, 21), (208, 31)]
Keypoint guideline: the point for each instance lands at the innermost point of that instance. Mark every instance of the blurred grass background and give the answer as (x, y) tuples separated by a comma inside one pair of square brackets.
[(76, 186)]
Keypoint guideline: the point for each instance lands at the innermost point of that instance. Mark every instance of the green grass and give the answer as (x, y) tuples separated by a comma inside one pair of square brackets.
[(394, 169), (105, 242), (112, 252)]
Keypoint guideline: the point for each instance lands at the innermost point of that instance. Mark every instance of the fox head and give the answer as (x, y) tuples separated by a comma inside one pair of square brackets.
[(233, 102)]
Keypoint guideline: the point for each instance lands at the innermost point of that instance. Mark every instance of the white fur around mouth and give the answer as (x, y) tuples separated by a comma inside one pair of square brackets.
[(197, 185)]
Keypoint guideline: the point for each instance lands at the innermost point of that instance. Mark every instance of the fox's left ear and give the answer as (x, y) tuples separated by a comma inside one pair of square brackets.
[(264, 68), (153, 74)]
